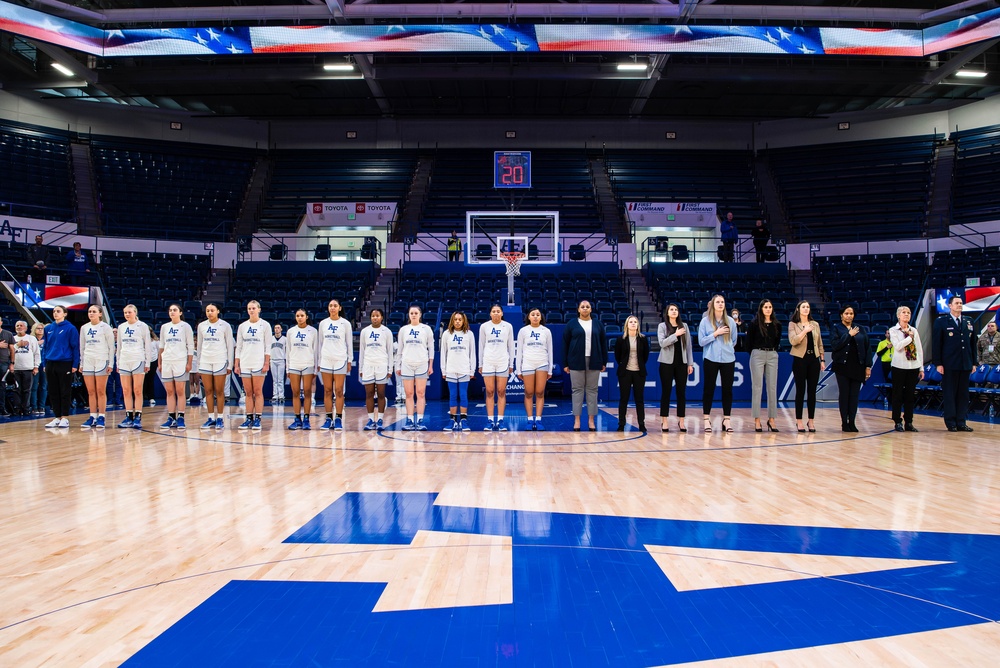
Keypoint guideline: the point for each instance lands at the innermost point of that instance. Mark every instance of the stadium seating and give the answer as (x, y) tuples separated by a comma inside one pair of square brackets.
[(724, 177), (855, 190), (302, 176), (170, 190), (977, 162), (35, 173)]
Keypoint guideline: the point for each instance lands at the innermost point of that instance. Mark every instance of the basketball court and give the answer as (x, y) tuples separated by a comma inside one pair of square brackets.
[(154, 548)]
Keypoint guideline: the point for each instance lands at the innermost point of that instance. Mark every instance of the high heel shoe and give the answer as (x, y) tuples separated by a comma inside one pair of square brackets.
[(771, 427), (725, 426)]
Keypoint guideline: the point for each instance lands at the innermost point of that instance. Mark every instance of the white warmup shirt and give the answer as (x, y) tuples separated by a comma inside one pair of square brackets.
[(253, 343), (375, 353), (133, 345), (216, 345), (336, 345), (458, 355), (176, 342), (496, 346), (97, 344), (300, 350), (416, 346), (534, 349)]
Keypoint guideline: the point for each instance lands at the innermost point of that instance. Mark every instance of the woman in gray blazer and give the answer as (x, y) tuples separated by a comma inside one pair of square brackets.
[(676, 360)]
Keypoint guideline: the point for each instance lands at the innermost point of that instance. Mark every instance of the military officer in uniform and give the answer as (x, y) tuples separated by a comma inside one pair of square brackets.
[(954, 354)]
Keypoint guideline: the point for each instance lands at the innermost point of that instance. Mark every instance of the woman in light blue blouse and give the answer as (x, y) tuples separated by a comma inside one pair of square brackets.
[(717, 336)]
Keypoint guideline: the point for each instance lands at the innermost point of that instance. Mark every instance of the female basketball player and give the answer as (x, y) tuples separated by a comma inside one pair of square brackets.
[(458, 366), (336, 355), (534, 364), (176, 354), (414, 366), (496, 363), (374, 366), (253, 359), (216, 350), (133, 365), (97, 359), (301, 359)]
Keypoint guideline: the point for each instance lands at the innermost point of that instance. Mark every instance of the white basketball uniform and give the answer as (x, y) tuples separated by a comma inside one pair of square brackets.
[(375, 361)]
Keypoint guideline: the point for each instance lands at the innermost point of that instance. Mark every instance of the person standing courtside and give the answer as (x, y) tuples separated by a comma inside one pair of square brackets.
[(763, 341), (953, 347), (631, 354), (676, 364), (585, 353), (908, 368), (852, 364), (277, 368)]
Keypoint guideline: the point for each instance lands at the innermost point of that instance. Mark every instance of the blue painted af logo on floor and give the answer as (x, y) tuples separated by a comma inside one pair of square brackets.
[(587, 591)]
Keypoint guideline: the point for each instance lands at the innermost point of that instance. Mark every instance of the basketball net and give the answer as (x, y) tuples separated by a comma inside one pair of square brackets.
[(513, 260)]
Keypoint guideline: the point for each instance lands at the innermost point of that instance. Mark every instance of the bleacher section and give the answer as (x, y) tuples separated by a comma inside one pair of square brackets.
[(284, 287), (462, 180), (950, 268), (856, 190), (152, 281), (556, 290), (724, 177), (691, 288), (170, 190), (977, 162), (875, 284), (35, 173), (299, 177)]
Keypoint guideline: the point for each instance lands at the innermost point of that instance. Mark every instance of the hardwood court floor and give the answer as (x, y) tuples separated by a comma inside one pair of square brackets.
[(521, 548)]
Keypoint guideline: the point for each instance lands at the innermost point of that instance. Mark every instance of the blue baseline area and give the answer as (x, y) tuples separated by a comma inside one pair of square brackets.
[(585, 593)]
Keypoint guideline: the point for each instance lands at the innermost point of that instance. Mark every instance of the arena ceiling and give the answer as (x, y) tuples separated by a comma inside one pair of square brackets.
[(506, 85)]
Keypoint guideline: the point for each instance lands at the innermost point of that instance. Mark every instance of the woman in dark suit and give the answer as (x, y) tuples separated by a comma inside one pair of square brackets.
[(585, 352), (631, 355), (852, 363)]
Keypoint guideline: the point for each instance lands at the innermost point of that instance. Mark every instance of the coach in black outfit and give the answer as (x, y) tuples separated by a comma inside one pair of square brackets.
[(954, 354)]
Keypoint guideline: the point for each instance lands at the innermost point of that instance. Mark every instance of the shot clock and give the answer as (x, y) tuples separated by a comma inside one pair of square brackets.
[(512, 169)]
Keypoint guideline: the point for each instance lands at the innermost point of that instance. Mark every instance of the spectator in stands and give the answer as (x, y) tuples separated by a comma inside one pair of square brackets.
[(807, 350), (908, 368), (37, 251), (454, 247), (8, 349), (585, 353), (717, 336), (761, 235), (631, 354), (884, 353), (763, 340), (741, 330), (676, 364), (39, 383), (989, 346), (730, 236), (77, 263), (852, 363), (953, 347)]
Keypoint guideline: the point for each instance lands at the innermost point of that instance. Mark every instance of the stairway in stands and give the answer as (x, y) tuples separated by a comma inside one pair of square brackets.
[(87, 207)]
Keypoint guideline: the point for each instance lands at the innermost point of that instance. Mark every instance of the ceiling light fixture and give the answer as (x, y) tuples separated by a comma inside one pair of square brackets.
[(62, 68), (970, 74)]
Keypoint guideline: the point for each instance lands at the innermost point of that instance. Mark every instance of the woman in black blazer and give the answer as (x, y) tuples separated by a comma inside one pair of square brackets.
[(585, 352), (631, 354), (852, 363)]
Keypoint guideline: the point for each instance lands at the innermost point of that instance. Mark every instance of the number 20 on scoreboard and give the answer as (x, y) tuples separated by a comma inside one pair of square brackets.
[(512, 169)]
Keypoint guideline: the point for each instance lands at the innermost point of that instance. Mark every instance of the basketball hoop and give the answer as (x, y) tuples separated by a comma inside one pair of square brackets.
[(513, 260)]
